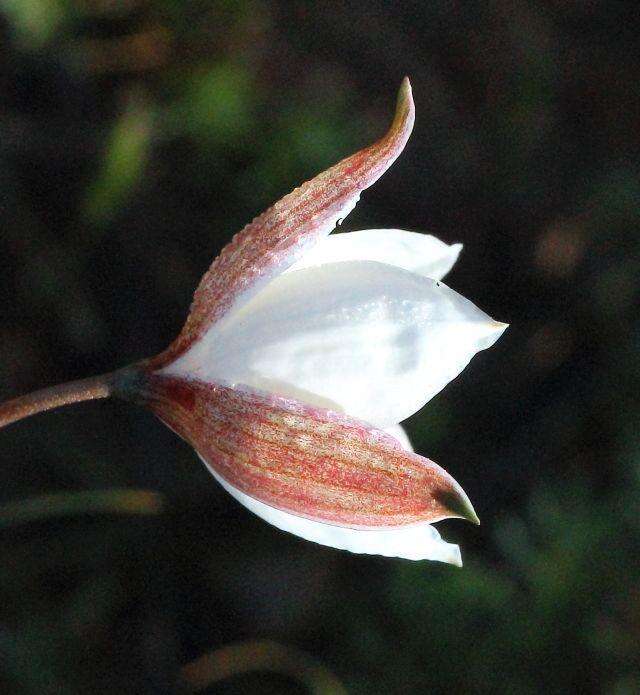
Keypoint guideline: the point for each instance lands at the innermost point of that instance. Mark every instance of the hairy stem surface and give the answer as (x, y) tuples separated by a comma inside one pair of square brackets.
[(92, 388)]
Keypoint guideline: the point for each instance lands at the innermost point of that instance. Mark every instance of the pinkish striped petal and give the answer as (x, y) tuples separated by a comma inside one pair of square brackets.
[(276, 239), (412, 542), (307, 461)]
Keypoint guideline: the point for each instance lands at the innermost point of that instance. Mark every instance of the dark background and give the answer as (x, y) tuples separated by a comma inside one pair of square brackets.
[(135, 138)]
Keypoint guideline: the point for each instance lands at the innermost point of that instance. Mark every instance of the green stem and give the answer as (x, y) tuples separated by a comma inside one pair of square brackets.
[(92, 388)]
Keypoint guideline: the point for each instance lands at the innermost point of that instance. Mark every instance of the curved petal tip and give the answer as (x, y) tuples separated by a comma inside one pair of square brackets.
[(404, 93), (499, 327), (458, 505), (405, 112)]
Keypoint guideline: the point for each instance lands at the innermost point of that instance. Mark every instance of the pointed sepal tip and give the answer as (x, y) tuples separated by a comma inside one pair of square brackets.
[(459, 505), (405, 109)]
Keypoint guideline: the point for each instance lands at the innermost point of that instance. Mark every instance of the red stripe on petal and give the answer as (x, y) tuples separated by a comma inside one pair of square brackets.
[(311, 462), (271, 243)]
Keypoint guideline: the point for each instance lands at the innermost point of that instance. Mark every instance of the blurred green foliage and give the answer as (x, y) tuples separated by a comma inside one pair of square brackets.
[(135, 138), (125, 157)]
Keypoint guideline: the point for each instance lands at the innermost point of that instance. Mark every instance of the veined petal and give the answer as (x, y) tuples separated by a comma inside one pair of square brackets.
[(415, 542), (274, 241), (364, 338), (420, 253), (310, 462)]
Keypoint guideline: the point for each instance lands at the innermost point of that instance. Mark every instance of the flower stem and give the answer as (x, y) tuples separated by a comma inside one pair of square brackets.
[(92, 388)]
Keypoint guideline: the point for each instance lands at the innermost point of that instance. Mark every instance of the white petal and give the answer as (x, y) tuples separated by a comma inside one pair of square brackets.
[(419, 542), (420, 253), (368, 339), (399, 432)]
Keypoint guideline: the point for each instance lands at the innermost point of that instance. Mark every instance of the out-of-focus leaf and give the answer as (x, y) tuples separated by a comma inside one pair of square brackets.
[(36, 22), (85, 502), (213, 105), (125, 156), (247, 657)]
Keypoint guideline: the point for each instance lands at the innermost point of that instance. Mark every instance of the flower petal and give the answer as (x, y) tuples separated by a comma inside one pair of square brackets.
[(310, 462), (415, 542), (271, 243), (364, 338), (420, 253)]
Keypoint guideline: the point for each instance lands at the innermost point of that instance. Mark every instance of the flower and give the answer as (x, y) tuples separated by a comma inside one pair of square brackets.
[(301, 355), (303, 352)]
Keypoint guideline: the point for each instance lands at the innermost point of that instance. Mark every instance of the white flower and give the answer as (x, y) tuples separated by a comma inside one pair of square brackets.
[(300, 349)]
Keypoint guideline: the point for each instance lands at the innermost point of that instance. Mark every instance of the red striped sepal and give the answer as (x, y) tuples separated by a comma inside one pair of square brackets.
[(308, 461), (271, 243)]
